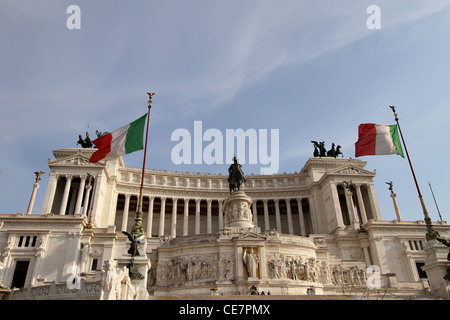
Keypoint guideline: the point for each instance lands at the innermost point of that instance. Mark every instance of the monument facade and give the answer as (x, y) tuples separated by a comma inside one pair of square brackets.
[(286, 233)]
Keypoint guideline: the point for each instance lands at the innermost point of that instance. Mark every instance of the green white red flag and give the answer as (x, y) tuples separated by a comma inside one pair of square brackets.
[(378, 139), (124, 140)]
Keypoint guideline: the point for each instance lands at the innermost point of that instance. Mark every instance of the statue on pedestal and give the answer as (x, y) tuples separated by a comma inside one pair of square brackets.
[(236, 176), (251, 261)]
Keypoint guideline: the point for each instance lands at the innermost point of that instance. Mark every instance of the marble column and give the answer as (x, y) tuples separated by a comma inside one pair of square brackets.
[(151, 201), (373, 202), (220, 201), (289, 216), (266, 215), (50, 194), (80, 194), (312, 215), (65, 197), (186, 217), (126, 208), (162, 216), (362, 209), (86, 200), (208, 217), (350, 205), (301, 218), (174, 218), (337, 206), (32, 198), (277, 215), (197, 216), (397, 210)]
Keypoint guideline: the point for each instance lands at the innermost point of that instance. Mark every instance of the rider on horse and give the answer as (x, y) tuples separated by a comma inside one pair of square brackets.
[(236, 176)]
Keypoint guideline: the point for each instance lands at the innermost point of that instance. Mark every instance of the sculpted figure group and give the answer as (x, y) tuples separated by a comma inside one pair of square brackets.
[(311, 269), (209, 268)]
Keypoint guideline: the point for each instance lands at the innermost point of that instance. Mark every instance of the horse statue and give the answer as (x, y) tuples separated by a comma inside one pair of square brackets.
[(319, 149), (85, 143), (338, 151), (236, 176), (334, 151)]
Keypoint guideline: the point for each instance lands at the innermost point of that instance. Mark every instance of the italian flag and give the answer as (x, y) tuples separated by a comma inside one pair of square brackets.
[(124, 140), (378, 139)]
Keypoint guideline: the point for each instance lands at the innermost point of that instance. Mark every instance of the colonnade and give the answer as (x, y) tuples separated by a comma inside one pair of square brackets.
[(357, 203), (79, 194), (284, 215)]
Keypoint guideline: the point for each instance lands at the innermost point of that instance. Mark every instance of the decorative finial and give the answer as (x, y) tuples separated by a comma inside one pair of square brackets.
[(395, 113), (150, 95)]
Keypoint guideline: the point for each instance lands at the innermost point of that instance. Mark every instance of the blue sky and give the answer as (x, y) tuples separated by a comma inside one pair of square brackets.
[(311, 69)]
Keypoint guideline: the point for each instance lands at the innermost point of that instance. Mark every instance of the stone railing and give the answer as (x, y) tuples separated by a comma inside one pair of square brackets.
[(57, 291), (89, 290)]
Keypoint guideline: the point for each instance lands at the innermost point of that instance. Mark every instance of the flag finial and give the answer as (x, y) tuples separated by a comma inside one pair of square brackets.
[(395, 113), (150, 95)]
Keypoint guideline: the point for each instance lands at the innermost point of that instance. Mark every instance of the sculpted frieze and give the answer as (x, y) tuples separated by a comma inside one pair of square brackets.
[(181, 270), (304, 268)]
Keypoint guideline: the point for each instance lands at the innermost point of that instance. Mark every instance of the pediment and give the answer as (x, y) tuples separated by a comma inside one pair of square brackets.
[(74, 161), (251, 236), (352, 170)]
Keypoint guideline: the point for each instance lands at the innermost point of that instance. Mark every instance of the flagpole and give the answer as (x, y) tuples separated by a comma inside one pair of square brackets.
[(431, 233), (435, 202), (141, 195), (138, 229)]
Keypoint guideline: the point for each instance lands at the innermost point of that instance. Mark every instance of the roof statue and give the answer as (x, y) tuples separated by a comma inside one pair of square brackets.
[(86, 142), (321, 151)]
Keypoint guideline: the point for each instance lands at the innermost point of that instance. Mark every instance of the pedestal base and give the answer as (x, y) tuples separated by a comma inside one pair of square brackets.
[(436, 265)]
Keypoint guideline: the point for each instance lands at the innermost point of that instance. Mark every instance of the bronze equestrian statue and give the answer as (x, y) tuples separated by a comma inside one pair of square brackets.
[(236, 176)]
